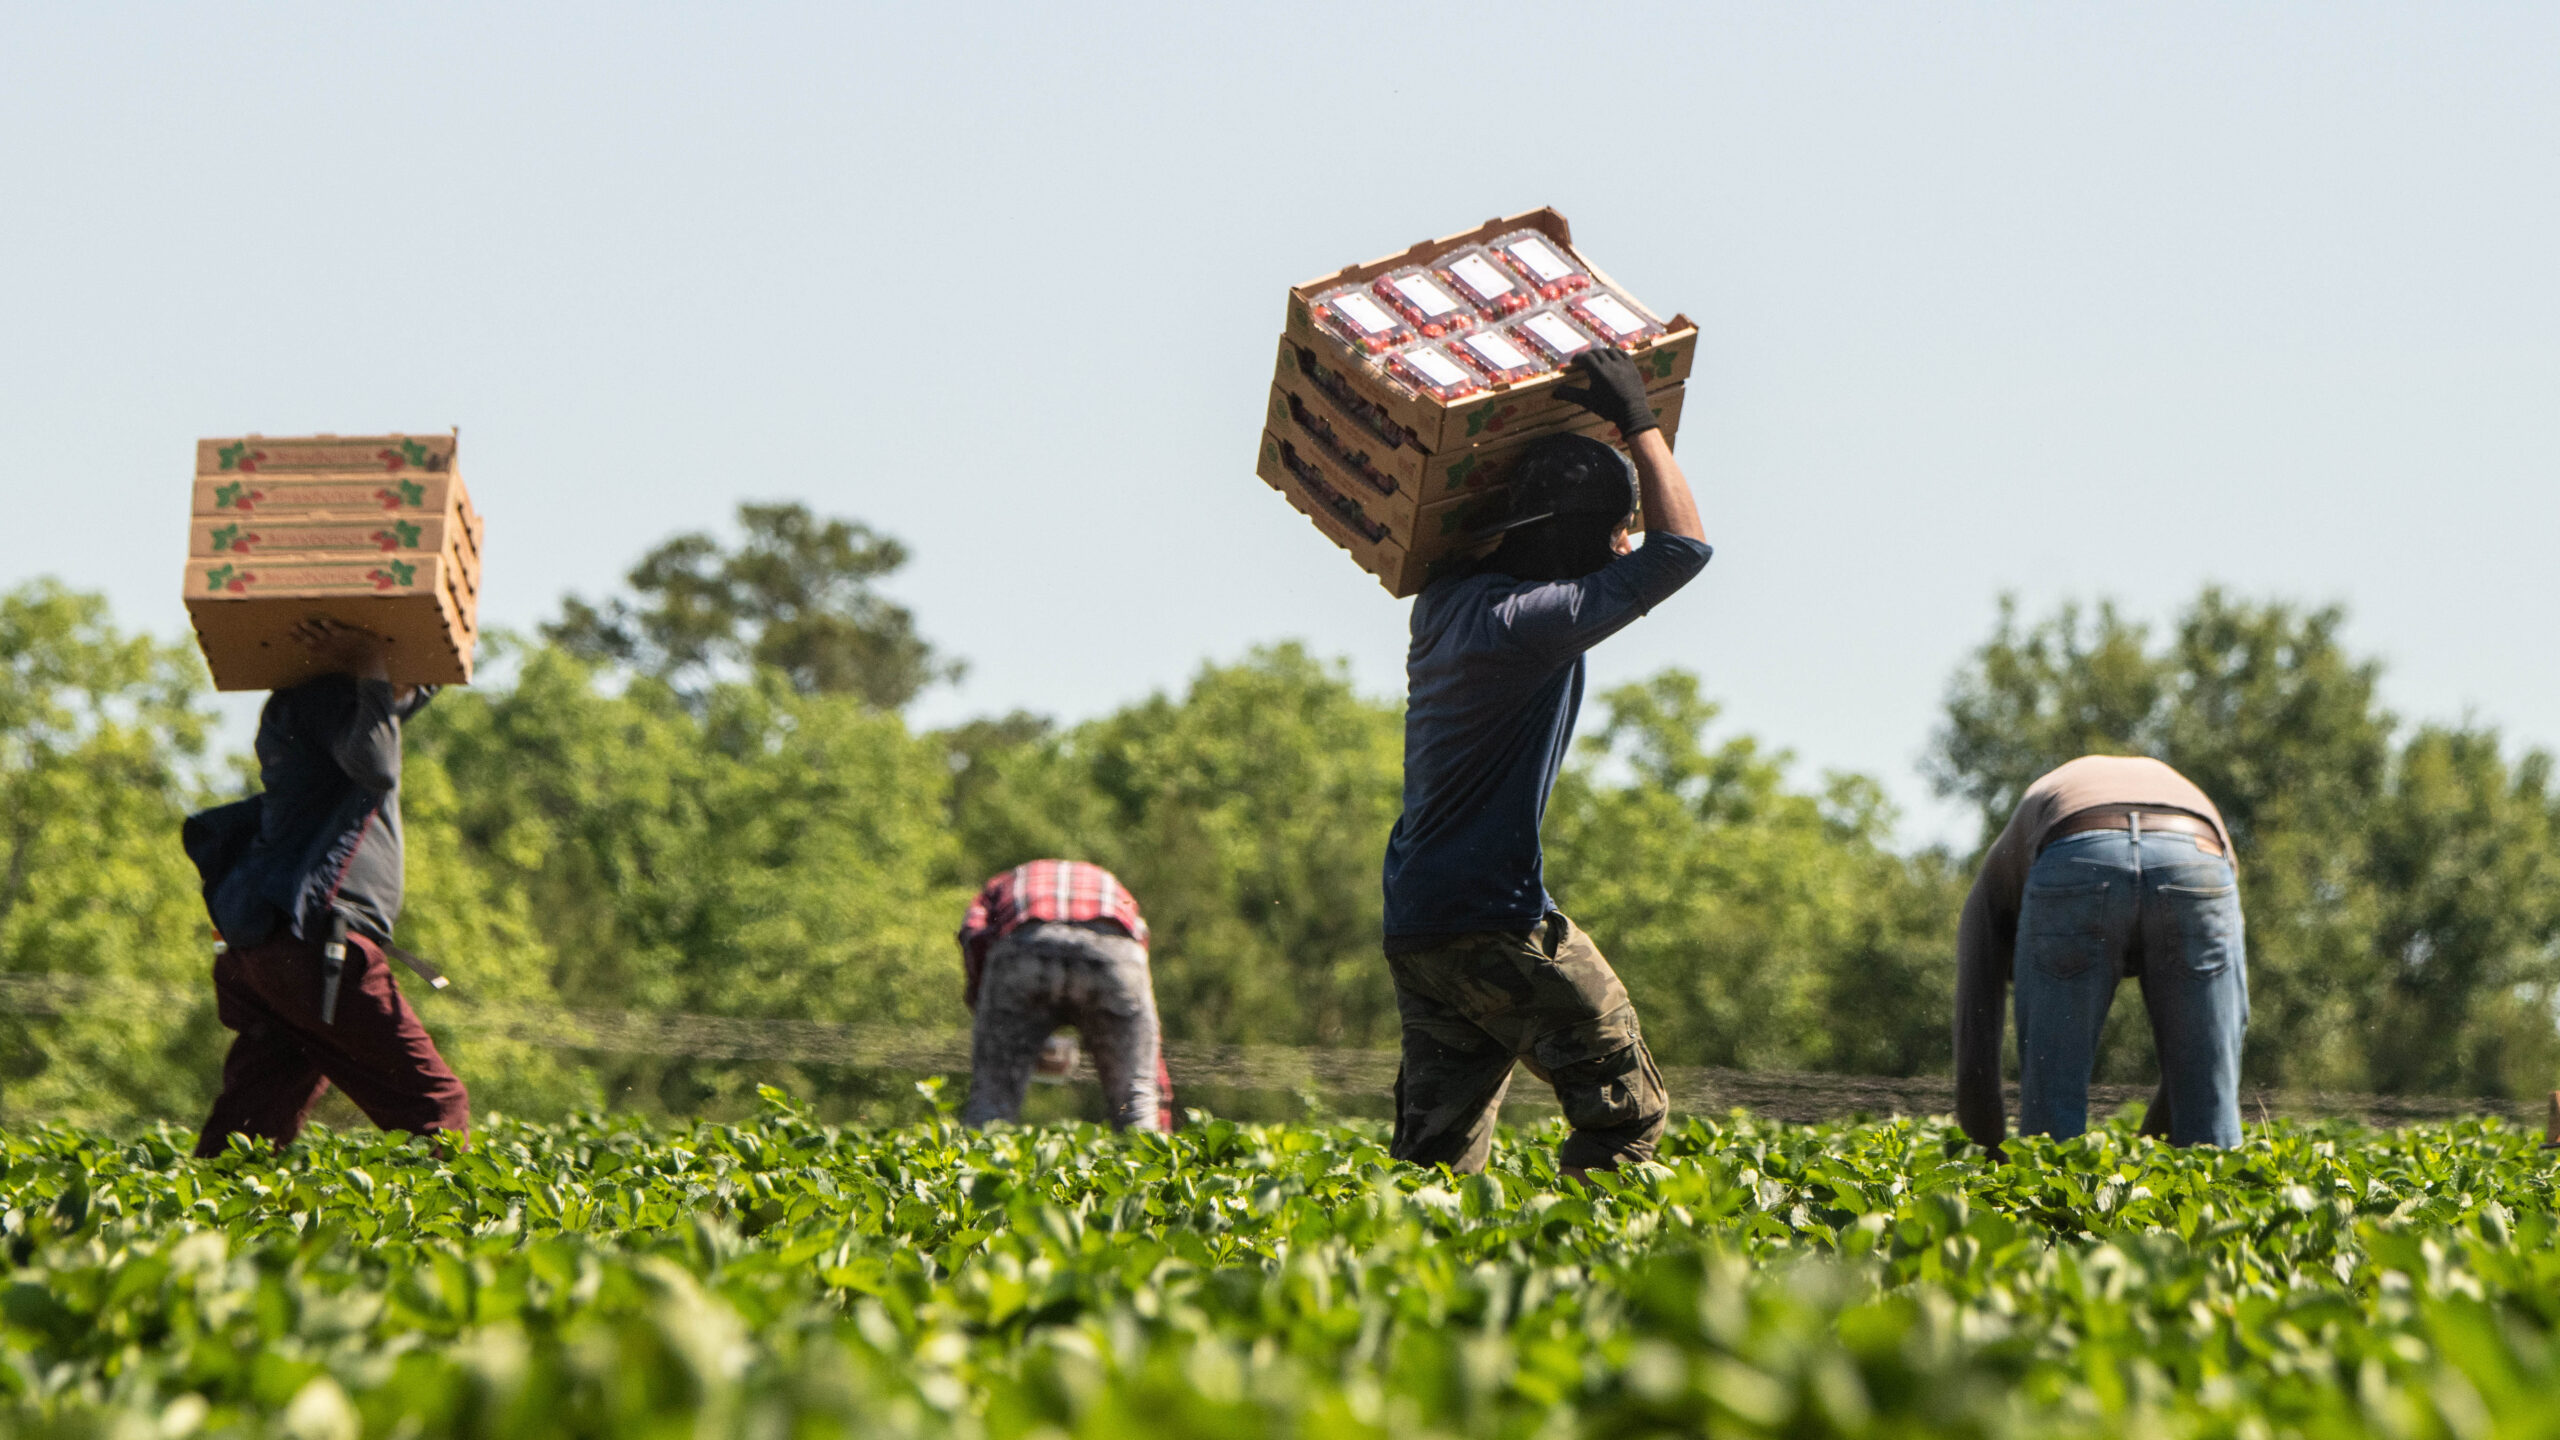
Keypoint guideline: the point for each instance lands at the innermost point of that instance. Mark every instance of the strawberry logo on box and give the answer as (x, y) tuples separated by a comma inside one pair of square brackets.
[(238, 456), (237, 496), (1660, 362), (1469, 474), (1492, 419), (403, 535), (396, 575), (234, 538), (401, 492), (409, 453), (229, 578)]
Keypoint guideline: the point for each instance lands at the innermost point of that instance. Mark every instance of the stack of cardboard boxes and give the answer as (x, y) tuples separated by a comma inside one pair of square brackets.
[(371, 531), (1405, 481)]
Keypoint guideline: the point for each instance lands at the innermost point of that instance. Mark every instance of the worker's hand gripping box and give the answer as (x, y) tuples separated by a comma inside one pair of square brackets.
[(376, 532)]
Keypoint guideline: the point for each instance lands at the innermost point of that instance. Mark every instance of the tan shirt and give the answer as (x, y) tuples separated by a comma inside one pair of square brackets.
[(1987, 937)]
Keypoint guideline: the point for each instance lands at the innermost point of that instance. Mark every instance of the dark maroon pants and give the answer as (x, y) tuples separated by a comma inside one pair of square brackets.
[(284, 1058)]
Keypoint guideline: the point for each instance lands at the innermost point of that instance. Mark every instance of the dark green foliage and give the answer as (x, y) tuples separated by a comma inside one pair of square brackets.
[(796, 597), (99, 736), (1755, 925), (601, 840), (1248, 817), (758, 852)]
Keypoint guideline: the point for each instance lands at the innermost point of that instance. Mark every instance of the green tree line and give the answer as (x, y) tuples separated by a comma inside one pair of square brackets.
[(702, 796)]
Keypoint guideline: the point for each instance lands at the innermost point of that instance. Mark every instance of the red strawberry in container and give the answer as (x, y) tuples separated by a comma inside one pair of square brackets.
[(1431, 307), (1541, 262), (1547, 331), (1610, 316), (1498, 357), (1428, 370), (1355, 315), (1491, 288)]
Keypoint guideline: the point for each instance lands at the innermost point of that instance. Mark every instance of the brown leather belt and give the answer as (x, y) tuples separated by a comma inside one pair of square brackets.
[(2123, 817)]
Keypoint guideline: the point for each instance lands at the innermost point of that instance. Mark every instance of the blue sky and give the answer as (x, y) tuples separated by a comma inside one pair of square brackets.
[(2068, 301)]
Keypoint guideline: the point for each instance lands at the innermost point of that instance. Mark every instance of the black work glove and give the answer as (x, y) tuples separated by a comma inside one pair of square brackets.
[(1614, 391)]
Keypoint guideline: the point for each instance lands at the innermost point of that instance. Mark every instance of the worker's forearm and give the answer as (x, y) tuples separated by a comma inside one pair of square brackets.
[(1668, 505)]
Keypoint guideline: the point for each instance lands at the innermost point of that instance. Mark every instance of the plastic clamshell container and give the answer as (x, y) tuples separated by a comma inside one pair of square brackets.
[(1538, 259), (1498, 357), (1418, 295), (1549, 332), (1486, 283), (1428, 370), (1608, 316), (1357, 317)]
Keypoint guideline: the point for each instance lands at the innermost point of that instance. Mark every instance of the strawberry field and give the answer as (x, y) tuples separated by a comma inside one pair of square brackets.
[(784, 1278)]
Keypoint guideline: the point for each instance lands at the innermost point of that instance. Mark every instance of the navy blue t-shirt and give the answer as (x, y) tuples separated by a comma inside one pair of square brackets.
[(1493, 683)]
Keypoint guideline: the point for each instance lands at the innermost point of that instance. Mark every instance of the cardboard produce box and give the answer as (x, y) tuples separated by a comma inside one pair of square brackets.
[(1406, 479), (344, 495), (245, 611), (1326, 389), (254, 536), (1520, 407), (262, 455), (1405, 555), (371, 531)]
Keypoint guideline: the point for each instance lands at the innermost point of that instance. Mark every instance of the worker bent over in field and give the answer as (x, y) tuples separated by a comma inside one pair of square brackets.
[(315, 857), (1486, 970), (2109, 867), (1061, 942)]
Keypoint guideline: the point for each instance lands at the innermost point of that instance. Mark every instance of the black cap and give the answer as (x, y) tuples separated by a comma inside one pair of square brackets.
[(1567, 475)]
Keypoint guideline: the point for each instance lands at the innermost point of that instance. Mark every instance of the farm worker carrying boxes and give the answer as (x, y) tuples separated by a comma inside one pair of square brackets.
[(1061, 942), (1486, 970), (309, 867), (2110, 866)]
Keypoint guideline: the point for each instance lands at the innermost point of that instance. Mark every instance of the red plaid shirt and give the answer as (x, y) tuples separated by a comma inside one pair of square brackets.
[(1044, 890), (1054, 890)]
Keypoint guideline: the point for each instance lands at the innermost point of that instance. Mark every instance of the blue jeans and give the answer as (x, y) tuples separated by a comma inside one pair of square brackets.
[(2098, 904)]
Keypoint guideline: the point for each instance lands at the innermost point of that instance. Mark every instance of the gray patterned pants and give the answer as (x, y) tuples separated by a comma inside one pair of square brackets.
[(1046, 975)]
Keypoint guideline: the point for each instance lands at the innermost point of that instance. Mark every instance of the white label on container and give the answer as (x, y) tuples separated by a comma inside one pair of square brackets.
[(1560, 337), (1427, 297), (1542, 262), (1479, 275), (1622, 322), (1435, 367), (1499, 353), (1363, 312)]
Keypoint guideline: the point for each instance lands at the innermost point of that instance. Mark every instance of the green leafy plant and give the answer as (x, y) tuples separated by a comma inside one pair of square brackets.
[(783, 1277)]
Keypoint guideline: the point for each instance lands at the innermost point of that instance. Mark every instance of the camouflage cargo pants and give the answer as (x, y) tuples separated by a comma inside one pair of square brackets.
[(1045, 975), (1544, 997)]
